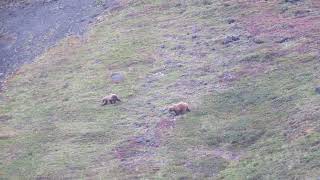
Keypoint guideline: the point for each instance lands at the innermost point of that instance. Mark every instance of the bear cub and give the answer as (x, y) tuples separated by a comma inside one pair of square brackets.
[(112, 99)]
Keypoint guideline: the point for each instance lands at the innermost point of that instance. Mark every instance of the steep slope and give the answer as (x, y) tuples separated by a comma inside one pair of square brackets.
[(29, 27), (248, 69)]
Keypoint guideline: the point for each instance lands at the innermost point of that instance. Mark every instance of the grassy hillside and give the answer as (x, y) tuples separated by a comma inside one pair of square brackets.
[(249, 71)]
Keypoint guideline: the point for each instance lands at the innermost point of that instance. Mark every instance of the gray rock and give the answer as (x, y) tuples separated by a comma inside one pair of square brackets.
[(301, 13), (230, 39), (168, 61), (283, 40), (258, 41), (97, 61), (179, 47), (292, 1), (117, 77), (230, 21)]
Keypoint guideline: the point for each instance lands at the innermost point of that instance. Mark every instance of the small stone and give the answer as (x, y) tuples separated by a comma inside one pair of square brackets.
[(169, 61), (283, 40), (292, 1), (140, 140), (206, 44), (301, 13), (230, 39), (179, 47), (283, 10), (66, 85), (97, 61), (258, 41), (138, 124), (230, 21)]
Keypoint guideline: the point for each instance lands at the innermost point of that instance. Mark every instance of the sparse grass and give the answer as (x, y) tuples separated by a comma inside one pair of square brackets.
[(254, 110)]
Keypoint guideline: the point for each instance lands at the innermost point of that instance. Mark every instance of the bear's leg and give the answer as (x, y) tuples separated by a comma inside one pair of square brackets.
[(176, 112), (104, 102)]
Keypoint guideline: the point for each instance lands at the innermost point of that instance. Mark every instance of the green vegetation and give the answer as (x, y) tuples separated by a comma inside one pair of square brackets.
[(254, 109)]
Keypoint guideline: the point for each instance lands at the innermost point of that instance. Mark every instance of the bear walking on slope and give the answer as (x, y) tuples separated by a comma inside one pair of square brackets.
[(112, 98), (179, 108)]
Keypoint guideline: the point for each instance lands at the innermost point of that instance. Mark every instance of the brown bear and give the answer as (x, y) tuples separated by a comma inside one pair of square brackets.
[(179, 108), (112, 98)]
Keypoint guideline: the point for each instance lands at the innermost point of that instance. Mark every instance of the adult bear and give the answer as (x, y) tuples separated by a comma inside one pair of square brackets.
[(179, 108)]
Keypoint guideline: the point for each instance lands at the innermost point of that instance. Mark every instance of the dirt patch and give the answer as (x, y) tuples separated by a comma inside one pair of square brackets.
[(246, 69), (164, 125), (138, 151), (128, 150), (91, 137), (4, 118), (207, 166), (208, 162), (6, 133), (303, 123), (267, 22), (228, 155), (151, 139), (135, 153)]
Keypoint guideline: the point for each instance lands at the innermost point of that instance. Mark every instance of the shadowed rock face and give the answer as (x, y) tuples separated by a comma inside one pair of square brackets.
[(27, 29)]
